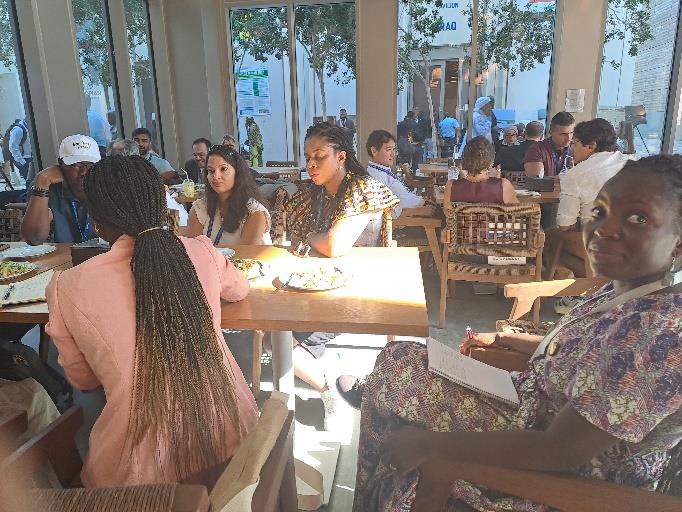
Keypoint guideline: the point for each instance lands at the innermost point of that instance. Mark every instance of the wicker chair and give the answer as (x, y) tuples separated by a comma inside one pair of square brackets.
[(420, 185), (490, 230), (517, 178), (10, 224)]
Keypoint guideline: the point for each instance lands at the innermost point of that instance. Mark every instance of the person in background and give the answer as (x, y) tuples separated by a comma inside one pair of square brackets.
[(346, 124), (127, 147), (597, 160), (20, 149), (56, 209), (195, 167), (232, 211), (408, 149), (449, 130), (482, 120), (255, 142), (552, 155), (601, 401), (143, 322), (112, 119), (534, 132), (98, 126), (143, 137), (424, 136), (521, 128), (509, 156), (381, 146), (477, 186), (343, 207)]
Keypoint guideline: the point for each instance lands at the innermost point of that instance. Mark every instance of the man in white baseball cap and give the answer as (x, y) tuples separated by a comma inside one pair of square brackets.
[(56, 207)]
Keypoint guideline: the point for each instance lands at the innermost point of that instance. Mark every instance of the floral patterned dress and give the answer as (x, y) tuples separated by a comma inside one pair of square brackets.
[(621, 370)]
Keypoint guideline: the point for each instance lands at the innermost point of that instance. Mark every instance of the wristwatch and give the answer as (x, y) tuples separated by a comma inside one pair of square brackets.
[(39, 192)]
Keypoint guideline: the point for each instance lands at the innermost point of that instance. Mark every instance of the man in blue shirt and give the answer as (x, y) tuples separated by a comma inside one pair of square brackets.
[(448, 129), (99, 127), (56, 209), (20, 148), (143, 137)]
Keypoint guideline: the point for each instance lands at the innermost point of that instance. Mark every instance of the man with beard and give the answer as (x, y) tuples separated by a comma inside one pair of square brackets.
[(196, 166), (56, 209)]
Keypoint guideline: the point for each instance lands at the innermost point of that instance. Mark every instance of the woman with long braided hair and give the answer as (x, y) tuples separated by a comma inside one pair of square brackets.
[(342, 207), (143, 321)]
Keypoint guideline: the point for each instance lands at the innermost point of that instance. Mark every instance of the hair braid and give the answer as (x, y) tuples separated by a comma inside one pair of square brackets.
[(182, 390), (339, 140)]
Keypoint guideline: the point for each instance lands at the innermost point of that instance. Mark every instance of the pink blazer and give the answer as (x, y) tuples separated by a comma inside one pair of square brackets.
[(92, 323)]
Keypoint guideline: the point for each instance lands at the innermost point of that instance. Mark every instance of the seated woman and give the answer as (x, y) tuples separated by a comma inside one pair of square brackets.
[(232, 213), (601, 400), (477, 186), (342, 207), (143, 322)]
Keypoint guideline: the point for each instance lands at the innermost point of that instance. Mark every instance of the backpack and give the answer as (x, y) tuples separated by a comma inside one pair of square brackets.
[(18, 362), (6, 154)]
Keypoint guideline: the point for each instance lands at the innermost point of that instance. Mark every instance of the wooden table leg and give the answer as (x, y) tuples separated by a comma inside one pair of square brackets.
[(44, 347), (283, 364), (435, 248)]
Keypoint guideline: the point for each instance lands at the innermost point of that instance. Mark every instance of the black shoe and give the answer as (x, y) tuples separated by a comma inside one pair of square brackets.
[(351, 388)]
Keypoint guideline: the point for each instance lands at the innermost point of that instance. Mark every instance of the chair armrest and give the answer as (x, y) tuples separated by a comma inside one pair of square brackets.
[(425, 222), (562, 491), (54, 444), (526, 293), (190, 498)]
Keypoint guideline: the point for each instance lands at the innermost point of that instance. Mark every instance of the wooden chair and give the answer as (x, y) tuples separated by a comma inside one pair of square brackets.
[(10, 224), (559, 491), (420, 185), (571, 254), (438, 160), (517, 178), (281, 163), (490, 230)]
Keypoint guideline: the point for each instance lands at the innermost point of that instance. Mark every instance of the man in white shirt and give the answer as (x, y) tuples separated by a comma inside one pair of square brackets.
[(381, 147)]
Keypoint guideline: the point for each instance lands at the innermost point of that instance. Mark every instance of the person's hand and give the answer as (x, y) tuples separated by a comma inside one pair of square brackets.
[(481, 339), (406, 449), (50, 176)]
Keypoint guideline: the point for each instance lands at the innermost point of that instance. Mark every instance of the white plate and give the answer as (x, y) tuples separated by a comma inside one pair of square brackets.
[(28, 251), (226, 251), (298, 279)]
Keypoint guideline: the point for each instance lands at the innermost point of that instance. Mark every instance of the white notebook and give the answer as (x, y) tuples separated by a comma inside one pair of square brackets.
[(470, 373), (27, 291)]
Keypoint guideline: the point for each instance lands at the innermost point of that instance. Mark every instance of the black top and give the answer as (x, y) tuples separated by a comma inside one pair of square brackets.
[(510, 158)]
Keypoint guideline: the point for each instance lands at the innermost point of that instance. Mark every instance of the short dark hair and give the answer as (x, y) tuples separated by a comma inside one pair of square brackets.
[(599, 131), (202, 140), (479, 154), (561, 119), (141, 131), (377, 139), (534, 129)]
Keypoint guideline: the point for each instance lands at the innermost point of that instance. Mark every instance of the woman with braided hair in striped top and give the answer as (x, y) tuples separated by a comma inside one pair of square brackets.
[(143, 322)]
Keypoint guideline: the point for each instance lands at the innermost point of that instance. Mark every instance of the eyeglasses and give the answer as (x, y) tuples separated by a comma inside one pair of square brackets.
[(83, 165)]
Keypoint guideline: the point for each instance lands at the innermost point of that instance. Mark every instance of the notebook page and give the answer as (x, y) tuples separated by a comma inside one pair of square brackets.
[(469, 372), (30, 290)]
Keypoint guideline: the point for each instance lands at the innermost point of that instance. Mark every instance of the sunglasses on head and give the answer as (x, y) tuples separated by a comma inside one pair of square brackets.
[(223, 148)]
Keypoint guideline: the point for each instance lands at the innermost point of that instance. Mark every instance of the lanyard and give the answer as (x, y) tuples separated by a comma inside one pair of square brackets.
[(386, 170), (561, 165), (85, 231), (320, 225), (210, 230), (635, 293)]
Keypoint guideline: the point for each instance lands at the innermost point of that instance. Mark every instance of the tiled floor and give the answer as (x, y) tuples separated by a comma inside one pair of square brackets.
[(348, 354)]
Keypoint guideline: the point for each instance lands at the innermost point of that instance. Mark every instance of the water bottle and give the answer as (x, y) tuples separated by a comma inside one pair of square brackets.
[(453, 171)]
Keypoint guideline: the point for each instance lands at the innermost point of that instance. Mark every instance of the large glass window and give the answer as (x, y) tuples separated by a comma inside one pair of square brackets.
[(18, 159), (260, 48), (515, 39), (142, 66), (325, 51), (635, 77), (91, 26)]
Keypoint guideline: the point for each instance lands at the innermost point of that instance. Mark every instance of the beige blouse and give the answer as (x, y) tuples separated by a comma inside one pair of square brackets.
[(229, 239)]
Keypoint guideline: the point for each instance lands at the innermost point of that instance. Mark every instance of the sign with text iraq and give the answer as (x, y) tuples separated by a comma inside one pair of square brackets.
[(455, 28), (253, 91)]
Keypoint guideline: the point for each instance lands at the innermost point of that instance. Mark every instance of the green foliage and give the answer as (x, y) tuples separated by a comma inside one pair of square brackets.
[(92, 41), (631, 20), (419, 23), (7, 56), (139, 42)]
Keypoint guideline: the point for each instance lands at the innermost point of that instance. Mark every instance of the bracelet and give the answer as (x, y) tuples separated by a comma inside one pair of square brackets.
[(39, 192)]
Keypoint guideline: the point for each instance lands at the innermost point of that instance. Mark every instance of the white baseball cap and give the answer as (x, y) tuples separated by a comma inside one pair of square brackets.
[(79, 148)]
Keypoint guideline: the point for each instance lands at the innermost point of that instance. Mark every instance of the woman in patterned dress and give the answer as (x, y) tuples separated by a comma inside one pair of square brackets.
[(343, 207), (602, 401)]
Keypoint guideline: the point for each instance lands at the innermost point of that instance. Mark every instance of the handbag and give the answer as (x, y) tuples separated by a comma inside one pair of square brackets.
[(19, 362)]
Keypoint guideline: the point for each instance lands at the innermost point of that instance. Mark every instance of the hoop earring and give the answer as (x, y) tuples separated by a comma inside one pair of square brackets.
[(669, 277)]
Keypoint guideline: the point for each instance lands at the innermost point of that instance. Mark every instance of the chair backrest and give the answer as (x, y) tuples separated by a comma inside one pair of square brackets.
[(174, 221), (517, 178), (493, 229), (10, 224), (234, 491), (281, 163)]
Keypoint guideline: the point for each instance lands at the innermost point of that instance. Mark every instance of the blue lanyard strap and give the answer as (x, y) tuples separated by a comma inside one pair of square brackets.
[(85, 231), (561, 164), (210, 230), (387, 171)]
